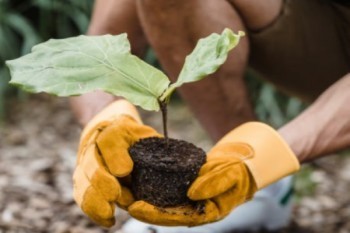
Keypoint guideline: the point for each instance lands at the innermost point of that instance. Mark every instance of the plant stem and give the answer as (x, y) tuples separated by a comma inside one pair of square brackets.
[(163, 108)]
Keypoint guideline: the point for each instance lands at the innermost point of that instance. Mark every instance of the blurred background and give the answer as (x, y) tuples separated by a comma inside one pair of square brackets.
[(38, 137)]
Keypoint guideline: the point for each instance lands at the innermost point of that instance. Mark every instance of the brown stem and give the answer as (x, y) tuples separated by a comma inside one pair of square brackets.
[(163, 108)]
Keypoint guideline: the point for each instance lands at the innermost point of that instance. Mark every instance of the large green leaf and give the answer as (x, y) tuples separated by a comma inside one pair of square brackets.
[(208, 55), (78, 65)]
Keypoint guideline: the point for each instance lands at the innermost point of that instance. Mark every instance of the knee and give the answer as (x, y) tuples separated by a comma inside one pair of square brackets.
[(258, 14), (346, 79)]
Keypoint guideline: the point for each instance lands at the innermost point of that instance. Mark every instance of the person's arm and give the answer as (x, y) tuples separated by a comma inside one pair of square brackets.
[(109, 17), (324, 127)]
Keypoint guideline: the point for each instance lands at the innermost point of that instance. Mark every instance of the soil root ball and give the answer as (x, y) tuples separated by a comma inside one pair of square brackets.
[(163, 173)]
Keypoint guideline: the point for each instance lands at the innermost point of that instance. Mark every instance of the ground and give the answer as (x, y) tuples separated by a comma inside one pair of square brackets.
[(38, 143)]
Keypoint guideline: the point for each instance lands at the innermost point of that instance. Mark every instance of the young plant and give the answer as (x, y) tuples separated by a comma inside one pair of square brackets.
[(163, 169), (77, 65)]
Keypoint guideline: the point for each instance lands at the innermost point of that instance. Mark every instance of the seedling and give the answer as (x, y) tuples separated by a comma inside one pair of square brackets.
[(78, 65)]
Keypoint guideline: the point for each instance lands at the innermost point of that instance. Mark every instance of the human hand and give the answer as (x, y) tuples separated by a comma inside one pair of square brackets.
[(247, 159), (103, 156)]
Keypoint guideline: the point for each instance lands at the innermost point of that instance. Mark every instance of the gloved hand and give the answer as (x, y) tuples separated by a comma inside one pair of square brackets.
[(247, 159), (103, 156)]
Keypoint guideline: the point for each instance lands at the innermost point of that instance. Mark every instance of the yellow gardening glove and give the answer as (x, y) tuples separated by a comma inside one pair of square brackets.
[(103, 156), (247, 159)]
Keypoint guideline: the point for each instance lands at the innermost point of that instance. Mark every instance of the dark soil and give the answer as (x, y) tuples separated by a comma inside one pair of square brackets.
[(163, 172)]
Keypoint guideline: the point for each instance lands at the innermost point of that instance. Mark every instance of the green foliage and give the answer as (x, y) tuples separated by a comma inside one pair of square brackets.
[(271, 105), (82, 64), (26, 23), (44, 19), (303, 184), (208, 55)]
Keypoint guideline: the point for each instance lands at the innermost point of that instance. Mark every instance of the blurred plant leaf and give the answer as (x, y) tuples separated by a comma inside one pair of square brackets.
[(303, 185), (25, 29), (8, 43), (4, 78), (80, 18), (25, 23)]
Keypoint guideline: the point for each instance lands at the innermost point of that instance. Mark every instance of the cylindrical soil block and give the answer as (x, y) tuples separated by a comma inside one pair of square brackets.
[(163, 172)]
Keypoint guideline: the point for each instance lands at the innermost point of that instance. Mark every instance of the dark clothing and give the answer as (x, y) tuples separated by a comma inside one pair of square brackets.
[(306, 49), (344, 2)]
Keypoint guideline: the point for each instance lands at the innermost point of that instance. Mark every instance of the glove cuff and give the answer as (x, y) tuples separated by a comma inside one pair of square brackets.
[(272, 160), (111, 112)]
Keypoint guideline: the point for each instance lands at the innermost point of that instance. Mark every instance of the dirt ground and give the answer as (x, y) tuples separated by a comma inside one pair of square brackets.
[(37, 157)]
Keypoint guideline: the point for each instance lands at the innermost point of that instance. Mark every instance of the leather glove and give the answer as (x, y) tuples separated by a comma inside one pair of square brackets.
[(103, 160), (247, 159)]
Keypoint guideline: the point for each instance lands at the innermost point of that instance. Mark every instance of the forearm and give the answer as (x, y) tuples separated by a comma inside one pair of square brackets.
[(109, 17), (324, 127)]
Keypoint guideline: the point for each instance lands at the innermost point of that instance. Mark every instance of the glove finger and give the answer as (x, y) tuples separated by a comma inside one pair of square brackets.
[(96, 173), (175, 216), (92, 202), (113, 143), (125, 199), (240, 193), (115, 140), (97, 208), (215, 177), (80, 185)]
